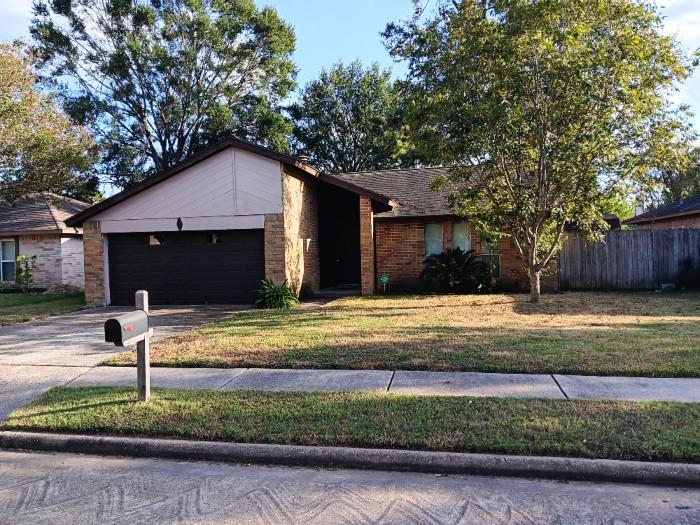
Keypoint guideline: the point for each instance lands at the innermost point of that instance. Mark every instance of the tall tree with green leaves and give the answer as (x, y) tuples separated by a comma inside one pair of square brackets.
[(349, 119), (40, 149), (156, 80), (543, 106)]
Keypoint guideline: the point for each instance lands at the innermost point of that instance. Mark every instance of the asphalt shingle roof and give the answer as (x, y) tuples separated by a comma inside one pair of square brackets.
[(39, 212), (411, 187), (685, 206)]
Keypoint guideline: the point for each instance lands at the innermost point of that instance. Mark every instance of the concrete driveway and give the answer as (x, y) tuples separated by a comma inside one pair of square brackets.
[(41, 354)]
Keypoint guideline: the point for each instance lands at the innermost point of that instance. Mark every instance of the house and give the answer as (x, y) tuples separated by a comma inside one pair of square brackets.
[(211, 227), (35, 226), (679, 215)]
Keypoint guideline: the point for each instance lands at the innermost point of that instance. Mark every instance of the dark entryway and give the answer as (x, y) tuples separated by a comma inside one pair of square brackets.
[(223, 267), (339, 237)]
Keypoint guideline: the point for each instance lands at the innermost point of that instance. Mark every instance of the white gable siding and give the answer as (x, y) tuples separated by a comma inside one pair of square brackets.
[(232, 189), (258, 184)]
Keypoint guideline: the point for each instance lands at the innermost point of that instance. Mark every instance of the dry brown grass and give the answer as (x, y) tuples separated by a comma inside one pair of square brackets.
[(586, 333)]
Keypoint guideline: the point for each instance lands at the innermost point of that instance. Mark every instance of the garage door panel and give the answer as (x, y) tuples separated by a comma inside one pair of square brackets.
[(186, 268)]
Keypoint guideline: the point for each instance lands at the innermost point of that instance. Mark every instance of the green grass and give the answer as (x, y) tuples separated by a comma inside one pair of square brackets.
[(589, 429), (633, 334), (21, 307)]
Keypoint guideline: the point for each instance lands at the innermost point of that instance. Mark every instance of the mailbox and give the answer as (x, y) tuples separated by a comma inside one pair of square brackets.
[(127, 329)]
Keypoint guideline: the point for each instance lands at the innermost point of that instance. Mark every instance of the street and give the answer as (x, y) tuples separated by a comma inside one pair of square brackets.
[(38, 488)]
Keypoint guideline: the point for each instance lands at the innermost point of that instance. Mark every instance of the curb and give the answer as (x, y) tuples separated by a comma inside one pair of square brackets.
[(682, 474)]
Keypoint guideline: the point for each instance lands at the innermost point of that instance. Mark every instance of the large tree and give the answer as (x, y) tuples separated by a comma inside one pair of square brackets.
[(158, 79), (40, 149), (349, 119), (543, 106)]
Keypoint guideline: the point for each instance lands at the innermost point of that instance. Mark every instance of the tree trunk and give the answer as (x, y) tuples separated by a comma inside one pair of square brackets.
[(534, 286)]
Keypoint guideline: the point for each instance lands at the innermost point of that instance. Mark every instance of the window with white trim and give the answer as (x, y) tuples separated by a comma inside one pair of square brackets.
[(491, 255), (461, 237), (433, 238), (7, 260)]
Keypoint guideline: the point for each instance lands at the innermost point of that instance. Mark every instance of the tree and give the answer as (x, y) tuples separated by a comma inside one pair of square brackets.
[(543, 107), (684, 181), (40, 150), (156, 80), (349, 119)]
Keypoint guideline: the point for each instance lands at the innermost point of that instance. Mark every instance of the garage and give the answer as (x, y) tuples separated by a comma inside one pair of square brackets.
[(188, 267)]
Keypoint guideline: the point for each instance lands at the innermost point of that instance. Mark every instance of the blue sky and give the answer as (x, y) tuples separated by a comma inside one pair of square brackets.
[(332, 30)]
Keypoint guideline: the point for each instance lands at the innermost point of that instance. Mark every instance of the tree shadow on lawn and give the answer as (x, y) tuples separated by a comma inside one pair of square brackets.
[(654, 349), (627, 303)]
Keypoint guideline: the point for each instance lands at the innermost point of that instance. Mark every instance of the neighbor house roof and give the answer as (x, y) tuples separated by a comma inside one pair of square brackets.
[(291, 163), (687, 206), (39, 213), (410, 188)]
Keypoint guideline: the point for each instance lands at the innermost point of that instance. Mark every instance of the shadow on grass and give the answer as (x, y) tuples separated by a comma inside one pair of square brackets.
[(619, 430), (654, 349)]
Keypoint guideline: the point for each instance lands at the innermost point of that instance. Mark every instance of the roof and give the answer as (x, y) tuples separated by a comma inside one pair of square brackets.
[(39, 213), (292, 163), (687, 206), (410, 188)]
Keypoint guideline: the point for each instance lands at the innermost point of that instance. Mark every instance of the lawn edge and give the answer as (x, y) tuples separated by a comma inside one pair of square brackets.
[(575, 469)]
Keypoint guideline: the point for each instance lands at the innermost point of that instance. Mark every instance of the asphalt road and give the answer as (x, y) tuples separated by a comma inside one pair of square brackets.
[(42, 488)]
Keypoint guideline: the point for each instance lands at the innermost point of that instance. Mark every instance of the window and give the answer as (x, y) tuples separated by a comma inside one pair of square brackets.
[(155, 239), (491, 255), (461, 237), (433, 238), (7, 261)]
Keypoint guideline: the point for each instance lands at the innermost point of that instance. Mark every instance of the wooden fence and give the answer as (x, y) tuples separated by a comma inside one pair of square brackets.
[(627, 260)]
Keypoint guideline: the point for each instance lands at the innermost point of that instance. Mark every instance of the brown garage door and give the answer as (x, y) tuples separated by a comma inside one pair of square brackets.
[(186, 267)]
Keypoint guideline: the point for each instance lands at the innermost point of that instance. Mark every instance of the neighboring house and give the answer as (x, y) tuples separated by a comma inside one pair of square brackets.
[(35, 226), (210, 228), (679, 215)]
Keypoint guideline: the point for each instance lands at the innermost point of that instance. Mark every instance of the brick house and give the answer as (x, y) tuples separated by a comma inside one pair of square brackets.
[(35, 226), (679, 215), (210, 228)]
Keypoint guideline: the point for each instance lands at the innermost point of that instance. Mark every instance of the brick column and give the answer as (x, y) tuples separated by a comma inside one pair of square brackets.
[(93, 252), (366, 245), (274, 248)]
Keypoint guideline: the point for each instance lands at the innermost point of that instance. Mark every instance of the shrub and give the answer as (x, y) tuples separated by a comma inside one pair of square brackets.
[(25, 271), (271, 295), (457, 271)]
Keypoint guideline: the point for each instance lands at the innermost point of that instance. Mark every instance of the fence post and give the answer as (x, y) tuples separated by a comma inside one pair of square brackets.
[(143, 350)]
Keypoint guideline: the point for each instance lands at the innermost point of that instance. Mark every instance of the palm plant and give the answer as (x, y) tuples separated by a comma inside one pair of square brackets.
[(455, 270)]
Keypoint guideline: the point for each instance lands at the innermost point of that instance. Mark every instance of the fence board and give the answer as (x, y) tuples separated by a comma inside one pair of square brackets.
[(627, 260)]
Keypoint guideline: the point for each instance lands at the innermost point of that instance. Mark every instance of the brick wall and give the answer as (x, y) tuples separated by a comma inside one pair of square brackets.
[(400, 251), (94, 267), (300, 205), (72, 261), (274, 248), (47, 250), (677, 223), (367, 247)]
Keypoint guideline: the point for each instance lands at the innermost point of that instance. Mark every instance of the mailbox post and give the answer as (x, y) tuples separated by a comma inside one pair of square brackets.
[(143, 353), (135, 328)]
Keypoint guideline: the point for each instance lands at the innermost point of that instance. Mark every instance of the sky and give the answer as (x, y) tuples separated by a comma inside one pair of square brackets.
[(329, 31)]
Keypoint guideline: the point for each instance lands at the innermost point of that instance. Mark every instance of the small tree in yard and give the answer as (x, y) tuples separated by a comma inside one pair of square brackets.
[(543, 107)]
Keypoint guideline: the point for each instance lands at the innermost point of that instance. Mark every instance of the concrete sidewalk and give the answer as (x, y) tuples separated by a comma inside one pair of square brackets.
[(407, 382)]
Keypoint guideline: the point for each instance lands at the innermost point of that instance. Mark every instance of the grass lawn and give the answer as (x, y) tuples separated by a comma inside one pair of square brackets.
[(637, 334), (591, 429), (21, 307)]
